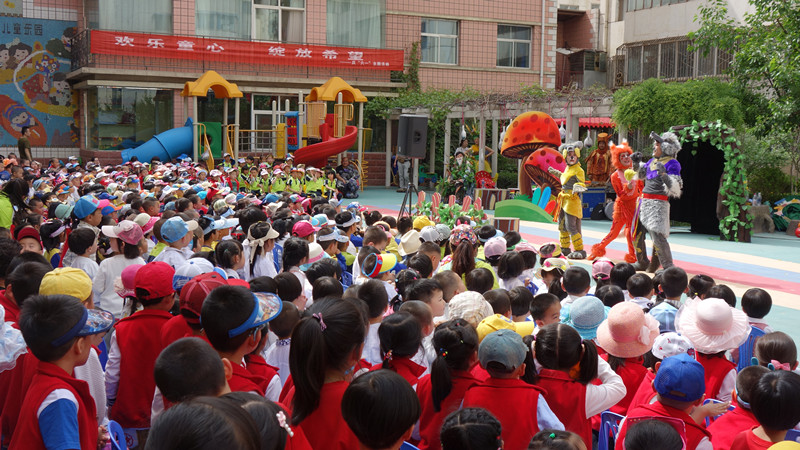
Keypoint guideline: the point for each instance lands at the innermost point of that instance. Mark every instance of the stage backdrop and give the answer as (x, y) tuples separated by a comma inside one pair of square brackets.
[(34, 62)]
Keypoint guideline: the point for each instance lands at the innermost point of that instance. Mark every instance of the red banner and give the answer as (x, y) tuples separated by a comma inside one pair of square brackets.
[(247, 52)]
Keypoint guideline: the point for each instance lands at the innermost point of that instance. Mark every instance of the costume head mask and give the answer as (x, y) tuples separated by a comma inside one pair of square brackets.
[(670, 145), (621, 155), (571, 152)]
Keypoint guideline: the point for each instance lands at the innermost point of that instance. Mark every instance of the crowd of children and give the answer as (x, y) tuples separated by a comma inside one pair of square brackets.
[(203, 309)]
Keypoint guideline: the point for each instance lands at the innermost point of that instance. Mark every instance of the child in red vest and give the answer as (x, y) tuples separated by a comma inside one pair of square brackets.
[(381, 408), (233, 318), (569, 365), (471, 428), (133, 351), (775, 401), (776, 348), (442, 391), (58, 411), (189, 368), (664, 346), (192, 295), (680, 384), (714, 327), (520, 407), (401, 337), (725, 429), (626, 335), (326, 347)]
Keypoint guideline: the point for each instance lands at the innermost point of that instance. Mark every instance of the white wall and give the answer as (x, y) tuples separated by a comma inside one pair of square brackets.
[(672, 20)]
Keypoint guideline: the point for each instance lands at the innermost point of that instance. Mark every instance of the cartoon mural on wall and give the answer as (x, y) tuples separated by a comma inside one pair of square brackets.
[(34, 92)]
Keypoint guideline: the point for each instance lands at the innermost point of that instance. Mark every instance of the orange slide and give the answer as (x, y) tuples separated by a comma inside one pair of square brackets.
[(317, 154)]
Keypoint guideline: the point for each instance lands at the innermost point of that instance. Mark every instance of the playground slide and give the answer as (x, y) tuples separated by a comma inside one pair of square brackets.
[(317, 154), (166, 146)]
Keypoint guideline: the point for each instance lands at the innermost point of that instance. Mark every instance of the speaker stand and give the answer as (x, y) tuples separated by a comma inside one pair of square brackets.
[(408, 200)]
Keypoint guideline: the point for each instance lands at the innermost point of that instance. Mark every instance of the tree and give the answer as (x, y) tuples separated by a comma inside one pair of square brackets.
[(766, 61)]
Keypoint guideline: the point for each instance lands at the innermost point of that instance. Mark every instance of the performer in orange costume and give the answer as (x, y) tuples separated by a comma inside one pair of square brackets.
[(628, 191)]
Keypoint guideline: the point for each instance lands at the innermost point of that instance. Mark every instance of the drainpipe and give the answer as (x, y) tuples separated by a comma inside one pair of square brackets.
[(541, 51)]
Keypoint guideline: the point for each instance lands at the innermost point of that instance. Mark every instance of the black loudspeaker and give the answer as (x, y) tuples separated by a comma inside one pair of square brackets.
[(412, 136)]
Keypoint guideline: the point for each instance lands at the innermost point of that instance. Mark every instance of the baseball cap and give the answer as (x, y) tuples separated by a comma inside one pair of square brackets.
[(63, 211), (106, 207), (127, 230), (421, 222), (176, 228), (497, 322), (93, 321), (504, 347), (266, 306), (495, 246), (85, 206), (190, 269), (378, 263), (145, 221), (671, 344), (68, 281), (196, 290), (680, 378), (601, 267), (220, 224), (429, 234), (321, 220), (30, 232), (123, 286), (155, 279), (304, 228), (444, 232)]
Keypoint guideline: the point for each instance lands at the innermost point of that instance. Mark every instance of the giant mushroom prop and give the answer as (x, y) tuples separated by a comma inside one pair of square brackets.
[(534, 137)]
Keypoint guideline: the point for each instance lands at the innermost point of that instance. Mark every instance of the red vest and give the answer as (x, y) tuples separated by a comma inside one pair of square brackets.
[(405, 367), (430, 421), (139, 340), (646, 392), (514, 403), (716, 369), (258, 366), (479, 372), (730, 424), (12, 310), (747, 440), (567, 399), (632, 374), (177, 328), (325, 427), (694, 432), (245, 381), (48, 378), (15, 384)]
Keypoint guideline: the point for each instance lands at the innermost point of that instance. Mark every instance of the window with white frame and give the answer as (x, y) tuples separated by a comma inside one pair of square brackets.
[(513, 46), (279, 20), (439, 42)]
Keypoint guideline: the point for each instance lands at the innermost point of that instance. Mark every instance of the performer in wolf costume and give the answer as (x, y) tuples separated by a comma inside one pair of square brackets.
[(573, 183), (662, 180), (628, 191)]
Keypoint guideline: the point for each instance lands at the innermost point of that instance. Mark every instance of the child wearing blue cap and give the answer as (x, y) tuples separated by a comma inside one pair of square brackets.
[(58, 410), (680, 385), (177, 234)]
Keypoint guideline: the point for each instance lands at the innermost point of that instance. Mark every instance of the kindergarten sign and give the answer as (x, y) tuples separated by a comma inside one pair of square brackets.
[(222, 50)]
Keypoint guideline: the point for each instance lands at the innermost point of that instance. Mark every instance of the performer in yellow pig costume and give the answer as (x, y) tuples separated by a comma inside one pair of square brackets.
[(570, 202)]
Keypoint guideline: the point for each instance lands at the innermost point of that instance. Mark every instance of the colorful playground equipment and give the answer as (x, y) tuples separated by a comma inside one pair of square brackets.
[(312, 134)]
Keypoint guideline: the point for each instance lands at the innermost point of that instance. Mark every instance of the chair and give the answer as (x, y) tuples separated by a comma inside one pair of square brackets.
[(711, 419), (746, 349), (609, 428), (407, 446), (792, 435), (103, 354), (117, 436)]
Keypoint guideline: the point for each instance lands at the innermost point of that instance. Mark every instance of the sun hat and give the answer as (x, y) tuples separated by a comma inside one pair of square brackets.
[(303, 229), (680, 378), (495, 246), (444, 232), (429, 234), (124, 285), (470, 306), (550, 250), (176, 228), (378, 263), (337, 235), (145, 221), (315, 253), (127, 230), (68, 281), (421, 222), (627, 332), (195, 291), (155, 279), (585, 315), (551, 264), (190, 269), (601, 268), (671, 344), (266, 306), (502, 346), (463, 233), (409, 243), (713, 326), (85, 205), (497, 322), (93, 321)]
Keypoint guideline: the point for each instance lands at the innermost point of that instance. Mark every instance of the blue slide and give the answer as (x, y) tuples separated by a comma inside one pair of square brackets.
[(166, 146)]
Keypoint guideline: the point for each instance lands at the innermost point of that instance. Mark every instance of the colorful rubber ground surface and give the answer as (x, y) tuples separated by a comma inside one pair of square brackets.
[(771, 261)]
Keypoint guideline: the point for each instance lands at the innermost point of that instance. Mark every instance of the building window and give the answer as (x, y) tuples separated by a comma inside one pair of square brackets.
[(279, 20), (636, 5), (228, 19), (123, 118), (513, 46), (439, 43), (359, 23), (146, 16)]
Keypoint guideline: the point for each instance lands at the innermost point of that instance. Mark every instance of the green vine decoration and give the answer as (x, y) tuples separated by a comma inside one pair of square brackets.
[(737, 224), (412, 75)]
